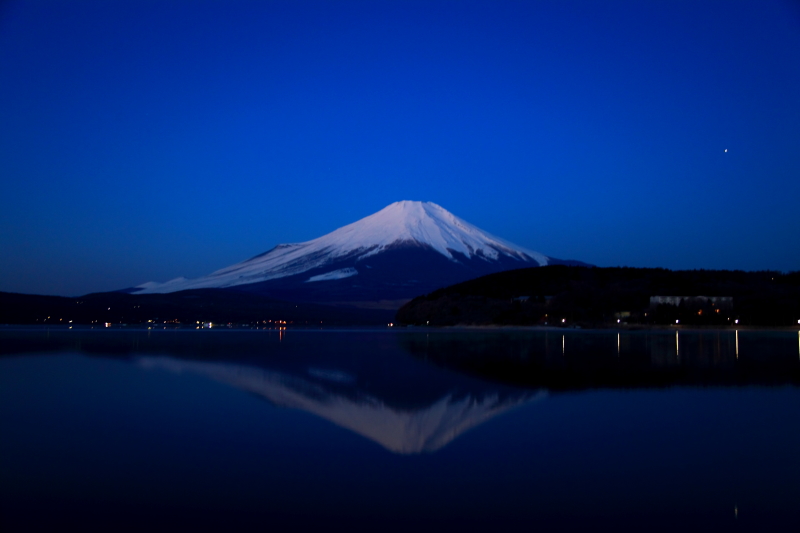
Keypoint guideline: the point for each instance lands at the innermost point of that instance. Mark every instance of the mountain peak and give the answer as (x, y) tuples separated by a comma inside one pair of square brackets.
[(426, 224)]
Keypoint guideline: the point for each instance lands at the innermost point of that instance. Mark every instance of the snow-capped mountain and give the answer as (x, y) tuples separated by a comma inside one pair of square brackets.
[(404, 250)]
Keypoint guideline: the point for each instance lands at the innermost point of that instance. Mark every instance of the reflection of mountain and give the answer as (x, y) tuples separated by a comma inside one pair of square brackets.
[(329, 394)]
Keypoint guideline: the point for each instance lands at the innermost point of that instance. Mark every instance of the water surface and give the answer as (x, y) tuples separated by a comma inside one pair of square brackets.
[(425, 429)]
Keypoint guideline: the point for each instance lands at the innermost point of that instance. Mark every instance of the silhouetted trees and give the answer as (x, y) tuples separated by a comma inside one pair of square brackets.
[(569, 295)]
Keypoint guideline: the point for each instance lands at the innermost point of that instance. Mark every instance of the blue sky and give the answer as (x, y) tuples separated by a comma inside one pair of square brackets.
[(148, 140)]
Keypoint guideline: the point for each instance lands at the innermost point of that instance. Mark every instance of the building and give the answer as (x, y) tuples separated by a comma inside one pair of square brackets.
[(722, 302)]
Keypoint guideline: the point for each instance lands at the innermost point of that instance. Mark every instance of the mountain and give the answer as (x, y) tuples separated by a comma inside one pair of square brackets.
[(404, 250)]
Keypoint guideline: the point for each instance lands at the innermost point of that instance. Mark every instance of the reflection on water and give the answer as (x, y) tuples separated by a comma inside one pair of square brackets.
[(422, 429), (589, 359), (453, 381), (371, 386)]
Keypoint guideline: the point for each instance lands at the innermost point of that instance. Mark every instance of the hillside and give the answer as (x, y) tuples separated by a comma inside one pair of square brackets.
[(560, 295)]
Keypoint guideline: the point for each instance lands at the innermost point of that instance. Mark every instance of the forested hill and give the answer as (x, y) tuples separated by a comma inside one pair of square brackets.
[(592, 296)]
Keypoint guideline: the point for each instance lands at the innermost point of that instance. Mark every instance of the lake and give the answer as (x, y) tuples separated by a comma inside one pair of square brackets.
[(399, 429)]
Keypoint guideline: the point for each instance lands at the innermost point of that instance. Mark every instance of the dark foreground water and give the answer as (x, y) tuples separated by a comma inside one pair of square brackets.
[(399, 430)]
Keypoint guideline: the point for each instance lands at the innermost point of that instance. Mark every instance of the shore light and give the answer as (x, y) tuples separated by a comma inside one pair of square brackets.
[(736, 321), (677, 321)]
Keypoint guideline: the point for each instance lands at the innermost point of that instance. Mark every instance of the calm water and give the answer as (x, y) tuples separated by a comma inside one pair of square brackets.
[(394, 430)]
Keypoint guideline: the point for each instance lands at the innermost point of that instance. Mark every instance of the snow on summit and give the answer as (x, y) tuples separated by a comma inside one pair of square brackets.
[(406, 223), (424, 223)]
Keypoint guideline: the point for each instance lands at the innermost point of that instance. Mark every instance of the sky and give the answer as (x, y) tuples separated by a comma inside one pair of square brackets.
[(146, 140)]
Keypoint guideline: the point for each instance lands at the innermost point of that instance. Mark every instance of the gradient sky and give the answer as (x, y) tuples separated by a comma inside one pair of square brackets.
[(148, 140)]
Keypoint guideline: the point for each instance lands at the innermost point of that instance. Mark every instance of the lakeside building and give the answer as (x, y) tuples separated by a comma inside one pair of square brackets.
[(724, 302)]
